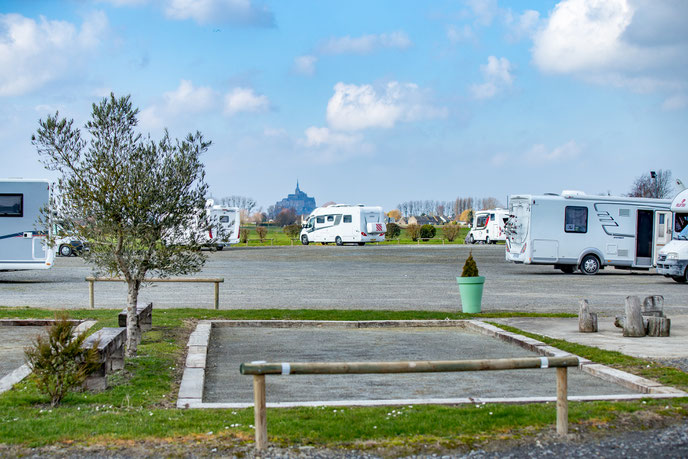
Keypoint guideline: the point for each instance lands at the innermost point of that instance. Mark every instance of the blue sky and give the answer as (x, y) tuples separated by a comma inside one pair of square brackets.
[(367, 102)]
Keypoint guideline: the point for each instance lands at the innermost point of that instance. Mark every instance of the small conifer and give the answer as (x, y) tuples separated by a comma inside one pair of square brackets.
[(470, 268)]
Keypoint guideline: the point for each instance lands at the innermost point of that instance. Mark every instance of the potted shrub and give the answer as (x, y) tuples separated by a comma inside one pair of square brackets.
[(470, 286)]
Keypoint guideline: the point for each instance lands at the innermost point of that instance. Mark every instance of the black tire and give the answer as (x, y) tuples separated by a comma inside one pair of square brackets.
[(66, 250), (304, 240), (682, 279), (338, 241), (361, 243), (220, 247), (590, 265), (471, 239), (487, 240), (568, 269)]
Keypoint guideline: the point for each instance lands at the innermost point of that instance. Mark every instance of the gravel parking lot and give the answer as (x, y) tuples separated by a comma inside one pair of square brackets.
[(352, 277)]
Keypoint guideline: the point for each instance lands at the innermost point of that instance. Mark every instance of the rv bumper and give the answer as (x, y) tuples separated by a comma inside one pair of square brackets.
[(672, 267)]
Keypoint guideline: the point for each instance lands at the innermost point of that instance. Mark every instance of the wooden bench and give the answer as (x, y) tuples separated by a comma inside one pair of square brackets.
[(111, 353), (216, 280), (144, 317)]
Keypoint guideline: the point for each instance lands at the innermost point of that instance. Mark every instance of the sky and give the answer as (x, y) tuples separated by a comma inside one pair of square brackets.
[(374, 102)]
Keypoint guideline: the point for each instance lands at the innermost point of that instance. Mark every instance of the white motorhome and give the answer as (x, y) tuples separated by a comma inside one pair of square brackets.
[(224, 225), (488, 226), (22, 244), (673, 257), (577, 231), (342, 223)]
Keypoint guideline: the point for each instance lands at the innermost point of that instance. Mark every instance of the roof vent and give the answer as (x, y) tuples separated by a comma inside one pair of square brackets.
[(569, 193)]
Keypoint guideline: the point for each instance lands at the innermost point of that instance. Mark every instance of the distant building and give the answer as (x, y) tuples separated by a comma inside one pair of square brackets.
[(299, 201)]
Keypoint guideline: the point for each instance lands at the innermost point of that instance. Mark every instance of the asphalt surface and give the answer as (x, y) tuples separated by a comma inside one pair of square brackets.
[(13, 340), (372, 277)]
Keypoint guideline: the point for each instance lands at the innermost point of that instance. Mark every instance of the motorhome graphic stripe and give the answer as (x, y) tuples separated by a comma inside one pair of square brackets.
[(7, 236)]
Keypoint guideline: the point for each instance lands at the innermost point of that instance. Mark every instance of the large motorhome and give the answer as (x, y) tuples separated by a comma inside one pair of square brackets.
[(342, 223), (488, 226), (577, 231), (224, 225), (673, 257), (22, 244)]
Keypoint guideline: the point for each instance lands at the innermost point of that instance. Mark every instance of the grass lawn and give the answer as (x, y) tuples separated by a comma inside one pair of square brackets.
[(140, 405), (276, 236)]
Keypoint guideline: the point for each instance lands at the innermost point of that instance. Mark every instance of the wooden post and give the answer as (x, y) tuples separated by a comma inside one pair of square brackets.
[(217, 295), (658, 326), (587, 321), (562, 402), (260, 413), (633, 323), (91, 294)]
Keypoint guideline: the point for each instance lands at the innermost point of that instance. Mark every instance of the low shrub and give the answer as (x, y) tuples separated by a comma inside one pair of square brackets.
[(393, 231), (292, 230), (451, 231), (58, 361), (427, 231), (413, 231), (262, 232), (243, 235)]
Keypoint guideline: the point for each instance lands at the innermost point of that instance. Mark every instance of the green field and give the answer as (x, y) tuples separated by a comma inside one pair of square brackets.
[(276, 236), (140, 404)]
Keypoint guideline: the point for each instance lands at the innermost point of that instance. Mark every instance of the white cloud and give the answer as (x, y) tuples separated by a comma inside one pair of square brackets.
[(484, 10), (365, 44), (540, 153), (457, 34), (523, 25), (33, 54), (239, 12), (355, 107), (188, 99), (497, 74), (327, 146), (675, 102), (245, 100), (305, 65), (638, 44)]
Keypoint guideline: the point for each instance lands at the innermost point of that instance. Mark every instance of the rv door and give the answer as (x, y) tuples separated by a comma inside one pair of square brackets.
[(644, 238)]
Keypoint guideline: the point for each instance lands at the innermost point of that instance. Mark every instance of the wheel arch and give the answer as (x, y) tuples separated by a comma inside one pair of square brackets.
[(591, 251)]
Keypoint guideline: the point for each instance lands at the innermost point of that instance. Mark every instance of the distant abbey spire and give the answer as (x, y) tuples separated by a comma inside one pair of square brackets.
[(299, 201)]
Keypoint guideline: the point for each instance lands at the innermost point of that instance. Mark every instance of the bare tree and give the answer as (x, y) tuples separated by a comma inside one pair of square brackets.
[(242, 202), (137, 202), (286, 217), (653, 185)]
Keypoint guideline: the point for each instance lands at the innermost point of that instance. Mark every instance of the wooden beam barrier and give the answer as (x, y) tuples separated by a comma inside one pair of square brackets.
[(260, 369), (216, 280)]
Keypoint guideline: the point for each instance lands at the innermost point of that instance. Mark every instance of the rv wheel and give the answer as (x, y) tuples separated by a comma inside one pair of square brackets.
[(471, 239), (338, 241), (361, 243), (487, 240), (304, 240), (590, 265), (682, 279), (66, 250)]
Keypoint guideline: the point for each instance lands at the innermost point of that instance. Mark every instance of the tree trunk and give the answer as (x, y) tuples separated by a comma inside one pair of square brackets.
[(653, 306), (658, 326), (587, 321), (133, 329), (633, 323)]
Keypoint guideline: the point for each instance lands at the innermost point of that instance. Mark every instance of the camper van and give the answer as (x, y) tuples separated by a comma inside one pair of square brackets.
[(224, 225), (488, 226), (673, 257), (577, 231), (22, 244), (342, 223)]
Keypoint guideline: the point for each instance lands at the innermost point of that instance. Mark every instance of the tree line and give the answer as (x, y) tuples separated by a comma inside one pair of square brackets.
[(447, 208)]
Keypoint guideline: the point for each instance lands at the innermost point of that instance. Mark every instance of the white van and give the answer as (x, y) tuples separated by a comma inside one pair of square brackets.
[(225, 224), (22, 244), (488, 226), (577, 231), (342, 223), (673, 257)]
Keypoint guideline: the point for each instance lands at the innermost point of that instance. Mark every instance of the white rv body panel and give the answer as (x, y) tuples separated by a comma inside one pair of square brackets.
[(341, 223), (673, 257), (22, 245), (573, 228), (488, 226), (227, 220)]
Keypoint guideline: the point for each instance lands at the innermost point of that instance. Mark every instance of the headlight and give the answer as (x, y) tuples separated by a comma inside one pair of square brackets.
[(672, 256)]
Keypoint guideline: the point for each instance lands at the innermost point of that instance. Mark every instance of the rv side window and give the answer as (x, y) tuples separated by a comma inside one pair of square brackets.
[(347, 218), (224, 219), (320, 219), (576, 219), (330, 218), (481, 221), (337, 219), (11, 205)]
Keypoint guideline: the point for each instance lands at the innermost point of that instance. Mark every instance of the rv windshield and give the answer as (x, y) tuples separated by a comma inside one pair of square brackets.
[(517, 225), (681, 227)]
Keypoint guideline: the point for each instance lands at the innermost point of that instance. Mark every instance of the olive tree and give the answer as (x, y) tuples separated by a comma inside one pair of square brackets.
[(139, 203)]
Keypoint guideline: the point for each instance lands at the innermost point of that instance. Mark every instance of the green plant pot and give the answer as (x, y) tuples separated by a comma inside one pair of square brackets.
[(471, 290)]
